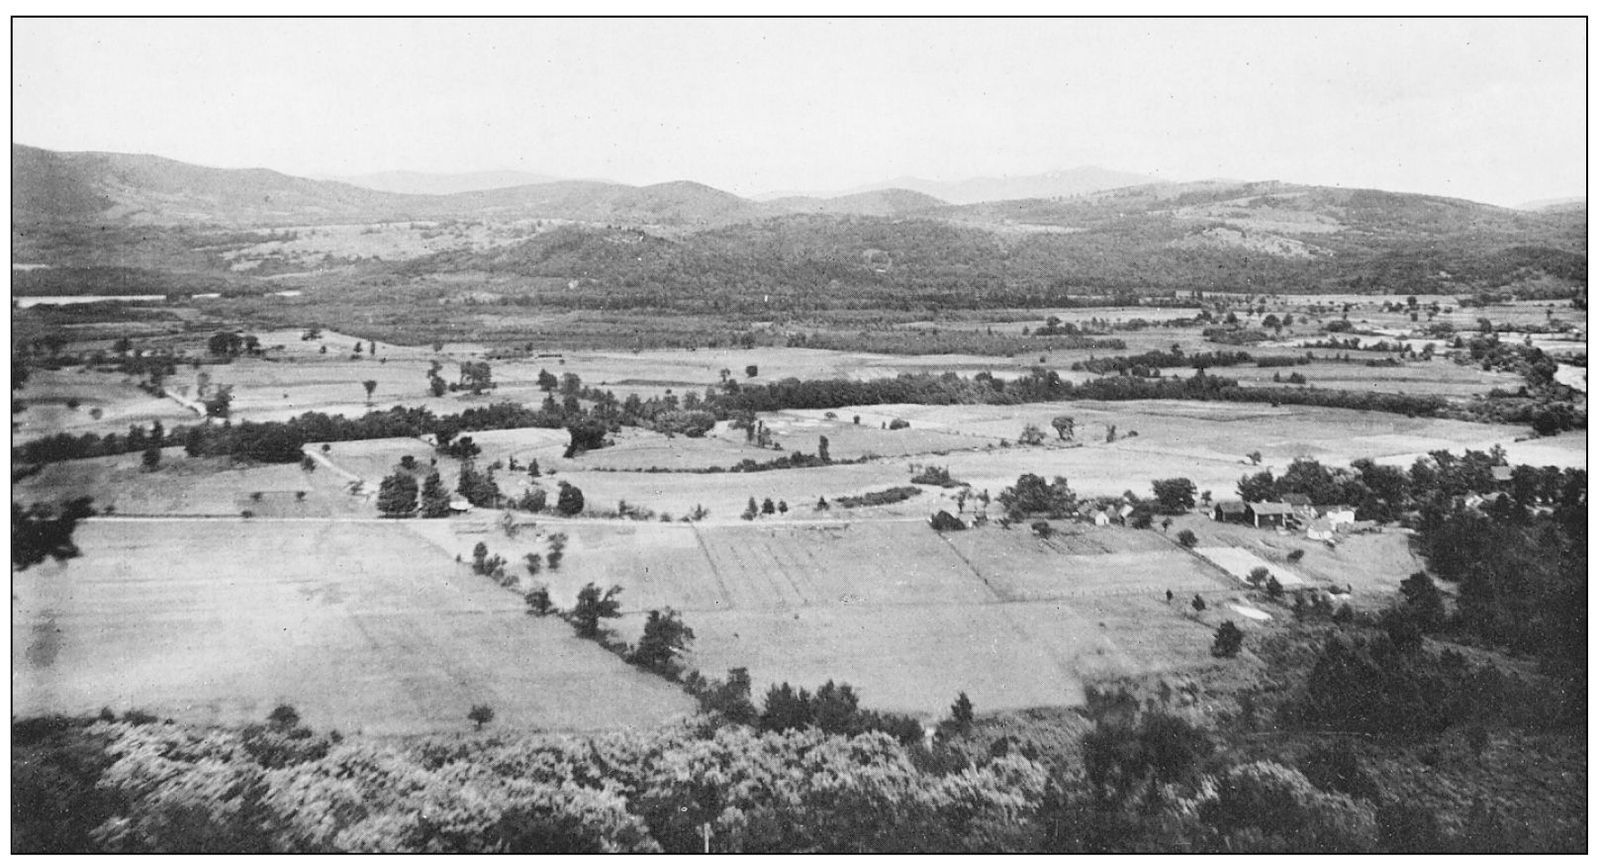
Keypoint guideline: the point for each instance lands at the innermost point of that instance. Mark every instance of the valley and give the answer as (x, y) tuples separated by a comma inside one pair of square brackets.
[(1026, 454)]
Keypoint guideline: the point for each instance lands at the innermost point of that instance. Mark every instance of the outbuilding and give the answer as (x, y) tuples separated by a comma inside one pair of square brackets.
[(1270, 513), (1231, 511)]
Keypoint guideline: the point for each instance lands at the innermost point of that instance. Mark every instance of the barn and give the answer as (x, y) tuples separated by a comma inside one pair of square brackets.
[(1231, 511), (1274, 513)]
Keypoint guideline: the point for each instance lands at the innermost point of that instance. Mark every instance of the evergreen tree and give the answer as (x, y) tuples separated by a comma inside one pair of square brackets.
[(397, 495), (435, 503)]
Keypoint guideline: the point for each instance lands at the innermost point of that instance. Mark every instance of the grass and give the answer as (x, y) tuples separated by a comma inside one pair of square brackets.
[(363, 627)]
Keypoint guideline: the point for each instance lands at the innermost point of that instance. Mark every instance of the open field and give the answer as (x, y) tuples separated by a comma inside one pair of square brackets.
[(908, 617), (870, 596), (1372, 566), (116, 398), (1438, 377), (1240, 562), (195, 487), (363, 627)]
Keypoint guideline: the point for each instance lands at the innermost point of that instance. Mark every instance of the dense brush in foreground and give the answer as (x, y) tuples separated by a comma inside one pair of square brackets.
[(1138, 779)]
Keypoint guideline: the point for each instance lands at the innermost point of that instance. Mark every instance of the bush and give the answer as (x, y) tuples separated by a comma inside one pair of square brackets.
[(570, 501), (944, 521), (898, 423), (875, 499), (1187, 538), (1226, 643)]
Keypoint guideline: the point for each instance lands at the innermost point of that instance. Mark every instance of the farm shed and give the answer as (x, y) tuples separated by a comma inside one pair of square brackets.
[(1101, 519), (1231, 511), (1270, 513), (1501, 473)]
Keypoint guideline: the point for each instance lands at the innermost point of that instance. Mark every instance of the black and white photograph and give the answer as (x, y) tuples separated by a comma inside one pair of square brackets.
[(940, 434)]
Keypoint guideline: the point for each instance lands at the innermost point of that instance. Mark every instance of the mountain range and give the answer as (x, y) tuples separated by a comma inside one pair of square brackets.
[(1212, 234)]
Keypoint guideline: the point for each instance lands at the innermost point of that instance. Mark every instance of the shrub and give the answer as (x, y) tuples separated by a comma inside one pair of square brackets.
[(943, 521), (1187, 538), (899, 423), (570, 501), (882, 497), (1226, 643)]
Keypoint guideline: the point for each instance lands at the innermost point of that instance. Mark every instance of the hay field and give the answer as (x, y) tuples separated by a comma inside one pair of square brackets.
[(363, 627), (116, 396), (907, 616), (194, 487), (1438, 377)]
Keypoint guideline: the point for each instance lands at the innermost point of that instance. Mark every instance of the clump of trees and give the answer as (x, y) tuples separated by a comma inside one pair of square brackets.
[(1031, 495), (893, 495)]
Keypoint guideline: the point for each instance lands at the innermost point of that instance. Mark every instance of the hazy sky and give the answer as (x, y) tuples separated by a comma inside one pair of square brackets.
[(1491, 110)]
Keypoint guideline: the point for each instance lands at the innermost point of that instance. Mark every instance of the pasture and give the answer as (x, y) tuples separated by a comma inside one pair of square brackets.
[(907, 616), (363, 627), (195, 487), (105, 402)]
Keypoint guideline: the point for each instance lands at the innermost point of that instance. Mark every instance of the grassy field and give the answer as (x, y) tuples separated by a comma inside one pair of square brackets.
[(375, 624), (194, 487), (363, 627), (1438, 377), (908, 617), (116, 398)]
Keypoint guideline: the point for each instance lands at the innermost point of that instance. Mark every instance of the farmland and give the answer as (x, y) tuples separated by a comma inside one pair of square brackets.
[(869, 595), (364, 626)]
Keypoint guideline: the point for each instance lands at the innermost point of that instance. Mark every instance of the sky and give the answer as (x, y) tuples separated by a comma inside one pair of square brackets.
[(1487, 109)]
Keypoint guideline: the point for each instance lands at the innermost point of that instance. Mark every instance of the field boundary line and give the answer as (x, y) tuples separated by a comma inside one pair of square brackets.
[(994, 594), (717, 574)]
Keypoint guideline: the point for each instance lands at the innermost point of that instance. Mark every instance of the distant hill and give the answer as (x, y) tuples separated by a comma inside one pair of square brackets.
[(685, 241), (1057, 183), (889, 202), (1257, 236), (408, 182), (1553, 204), (146, 189), (51, 187)]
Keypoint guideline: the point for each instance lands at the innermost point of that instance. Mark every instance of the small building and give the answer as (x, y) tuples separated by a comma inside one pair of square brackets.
[(1273, 513), (1231, 511), (459, 505), (1124, 512), (1101, 519), (1501, 473)]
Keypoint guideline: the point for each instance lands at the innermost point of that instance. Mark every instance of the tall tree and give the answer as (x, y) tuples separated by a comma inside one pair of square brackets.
[(594, 605), (665, 636), (397, 495)]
